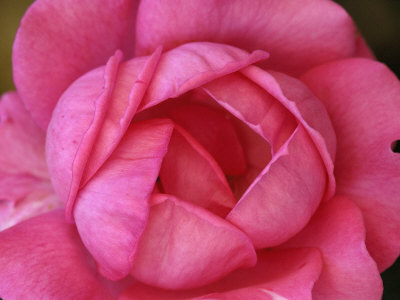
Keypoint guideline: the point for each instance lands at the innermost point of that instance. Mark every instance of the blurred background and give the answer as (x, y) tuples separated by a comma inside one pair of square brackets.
[(377, 20)]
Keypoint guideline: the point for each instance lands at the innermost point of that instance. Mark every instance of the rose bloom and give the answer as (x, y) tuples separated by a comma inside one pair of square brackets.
[(200, 149)]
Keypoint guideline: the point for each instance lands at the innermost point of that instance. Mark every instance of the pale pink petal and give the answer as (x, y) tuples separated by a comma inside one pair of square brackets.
[(112, 209), (22, 141), (35, 203), (298, 34), (363, 100), (43, 258), (282, 199), (192, 65), (283, 274), (185, 246), (91, 118), (60, 40), (213, 130), (349, 271), (190, 173)]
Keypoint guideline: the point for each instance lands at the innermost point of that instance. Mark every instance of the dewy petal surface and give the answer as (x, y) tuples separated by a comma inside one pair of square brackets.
[(298, 34), (43, 258), (363, 100), (60, 40), (288, 274), (185, 246), (112, 209), (349, 271)]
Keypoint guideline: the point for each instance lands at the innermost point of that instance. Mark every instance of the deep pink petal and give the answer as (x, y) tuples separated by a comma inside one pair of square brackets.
[(60, 40), (91, 118), (362, 49), (363, 100), (190, 173), (289, 274), (282, 199), (215, 132), (112, 209), (43, 258), (298, 34), (185, 246), (192, 65), (22, 141), (349, 271)]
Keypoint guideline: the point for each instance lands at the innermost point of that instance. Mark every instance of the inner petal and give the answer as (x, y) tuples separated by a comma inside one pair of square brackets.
[(191, 173), (215, 131)]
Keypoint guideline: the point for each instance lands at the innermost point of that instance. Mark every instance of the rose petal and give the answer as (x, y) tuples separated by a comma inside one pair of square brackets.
[(185, 246), (112, 209), (349, 271), (43, 258), (298, 34), (22, 141), (256, 108), (363, 100), (282, 199), (90, 120), (289, 274), (192, 65), (190, 173), (307, 109), (60, 40), (215, 132)]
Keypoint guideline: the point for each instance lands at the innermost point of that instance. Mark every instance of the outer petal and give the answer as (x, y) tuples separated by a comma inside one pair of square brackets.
[(22, 197), (185, 246), (349, 271), (363, 100), (43, 258), (282, 199), (112, 209), (22, 141), (298, 34), (283, 274), (59, 40)]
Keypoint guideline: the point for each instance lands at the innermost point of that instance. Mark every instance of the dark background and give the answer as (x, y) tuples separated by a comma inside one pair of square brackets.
[(377, 20)]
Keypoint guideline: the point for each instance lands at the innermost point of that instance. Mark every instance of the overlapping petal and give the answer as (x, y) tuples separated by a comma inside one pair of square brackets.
[(43, 258), (60, 40), (363, 100), (216, 132), (349, 271), (298, 34), (185, 246), (112, 209), (191, 174), (282, 274), (282, 199), (91, 118)]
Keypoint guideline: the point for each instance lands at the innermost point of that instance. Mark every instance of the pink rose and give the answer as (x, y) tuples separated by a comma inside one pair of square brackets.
[(200, 150)]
